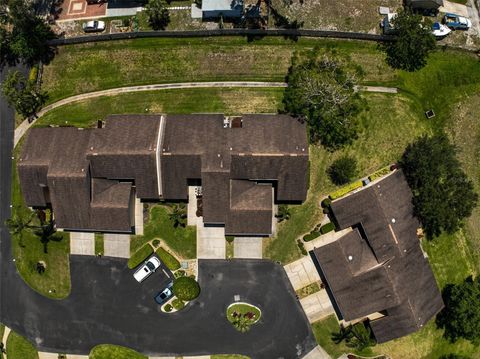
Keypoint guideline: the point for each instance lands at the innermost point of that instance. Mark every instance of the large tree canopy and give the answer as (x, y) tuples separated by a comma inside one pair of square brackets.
[(323, 92), (158, 15), (414, 40), (28, 35), (461, 315), (442, 194)]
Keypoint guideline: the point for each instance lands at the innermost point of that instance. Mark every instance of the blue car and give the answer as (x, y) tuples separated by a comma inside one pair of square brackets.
[(164, 295), (457, 22)]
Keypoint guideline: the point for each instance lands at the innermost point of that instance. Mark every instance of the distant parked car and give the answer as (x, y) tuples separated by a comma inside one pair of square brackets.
[(93, 26), (164, 295), (439, 30), (457, 22), (149, 267)]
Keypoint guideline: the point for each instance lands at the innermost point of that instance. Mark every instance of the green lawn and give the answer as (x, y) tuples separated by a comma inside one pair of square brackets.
[(99, 243), (28, 250), (182, 241), (20, 348), (228, 356), (243, 309), (108, 351), (90, 67), (386, 128), (229, 101)]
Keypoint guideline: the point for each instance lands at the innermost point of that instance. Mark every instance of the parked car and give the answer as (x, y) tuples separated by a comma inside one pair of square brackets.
[(149, 267), (164, 295), (93, 26), (440, 30), (457, 22)]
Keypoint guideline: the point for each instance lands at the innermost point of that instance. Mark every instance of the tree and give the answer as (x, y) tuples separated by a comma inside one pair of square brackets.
[(342, 170), (242, 323), (29, 36), (442, 194), (23, 94), (356, 336), (283, 213), (461, 316), (46, 232), (158, 15), (323, 92), (412, 44), (18, 223), (178, 216), (186, 288)]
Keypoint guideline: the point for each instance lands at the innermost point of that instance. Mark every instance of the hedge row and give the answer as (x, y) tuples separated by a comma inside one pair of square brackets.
[(139, 256), (311, 236), (344, 190), (169, 260), (328, 227), (380, 173)]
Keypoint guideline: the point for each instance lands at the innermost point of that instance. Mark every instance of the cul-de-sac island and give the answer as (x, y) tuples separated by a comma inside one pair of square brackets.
[(272, 179)]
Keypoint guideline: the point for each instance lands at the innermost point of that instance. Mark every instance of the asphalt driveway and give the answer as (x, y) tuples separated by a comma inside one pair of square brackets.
[(107, 305)]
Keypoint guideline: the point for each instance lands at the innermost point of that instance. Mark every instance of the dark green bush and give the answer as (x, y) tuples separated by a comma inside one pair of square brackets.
[(326, 202), (179, 273), (301, 247), (139, 256), (229, 239), (156, 242), (178, 304), (327, 228), (186, 288), (342, 170), (169, 260), (167, 307), (311, 236)]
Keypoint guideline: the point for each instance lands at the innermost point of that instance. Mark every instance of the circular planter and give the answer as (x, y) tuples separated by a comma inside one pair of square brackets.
[(243, 308)]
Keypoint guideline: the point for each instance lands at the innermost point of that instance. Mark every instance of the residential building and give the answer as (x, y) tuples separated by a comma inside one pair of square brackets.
[(241, 166), (377, 270)]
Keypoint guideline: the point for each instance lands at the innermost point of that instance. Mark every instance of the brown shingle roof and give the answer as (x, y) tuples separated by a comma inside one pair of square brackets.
[(399, 282)]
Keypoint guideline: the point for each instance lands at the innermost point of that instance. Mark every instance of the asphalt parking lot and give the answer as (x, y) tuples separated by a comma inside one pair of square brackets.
[(107, 305)]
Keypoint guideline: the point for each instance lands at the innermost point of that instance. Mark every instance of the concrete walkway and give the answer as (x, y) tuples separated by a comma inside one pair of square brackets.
[(25, 125), (138, 217), (6, 333), (455, 8), (302, 272), (247, 247), (211, 243), (317, 353), (82, 243), (116, 245), (317, 306), (325, 239)]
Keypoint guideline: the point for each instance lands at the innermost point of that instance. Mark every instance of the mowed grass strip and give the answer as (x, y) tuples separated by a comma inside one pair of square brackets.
[(178, 101), (108, 351), (96, 66), (20, 348)]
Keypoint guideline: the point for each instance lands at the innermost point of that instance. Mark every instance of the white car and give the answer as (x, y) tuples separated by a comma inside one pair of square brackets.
[(149, 267), (93, 26), (440, 30)]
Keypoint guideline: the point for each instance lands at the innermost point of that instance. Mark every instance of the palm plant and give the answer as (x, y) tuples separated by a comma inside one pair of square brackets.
[(344, 333), (283, 213), (362, 337), (18, 223), (178, 216), (242, 324), (47, 233)]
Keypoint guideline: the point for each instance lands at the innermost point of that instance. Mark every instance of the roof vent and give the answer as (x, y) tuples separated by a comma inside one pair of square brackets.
[(350, 258), (393, 220)]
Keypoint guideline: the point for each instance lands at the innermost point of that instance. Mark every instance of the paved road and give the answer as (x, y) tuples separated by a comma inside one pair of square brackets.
[(107, 305)]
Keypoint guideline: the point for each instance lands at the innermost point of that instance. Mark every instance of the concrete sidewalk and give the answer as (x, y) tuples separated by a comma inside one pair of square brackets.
[(116, 245), (317, 306), (82, 243), (317, 353), (302, 272), (248, 247)]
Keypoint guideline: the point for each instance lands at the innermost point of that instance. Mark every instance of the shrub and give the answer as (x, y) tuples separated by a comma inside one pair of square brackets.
[(344, 190), (167, 307), (169, 260), (156, 242), (139, 256), (283, 213), (229, 239), (178, 304), (326, 202), (301, 247), (179, 273), (328, 227), (342, 170), (186, 288), (380, 173), (32, 76), (311, 236)]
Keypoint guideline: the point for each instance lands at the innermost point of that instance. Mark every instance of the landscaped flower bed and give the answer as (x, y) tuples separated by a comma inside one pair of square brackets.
[(243, 315)]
